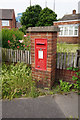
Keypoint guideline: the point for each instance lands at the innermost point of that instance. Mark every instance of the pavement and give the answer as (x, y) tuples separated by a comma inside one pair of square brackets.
[(56, 106)]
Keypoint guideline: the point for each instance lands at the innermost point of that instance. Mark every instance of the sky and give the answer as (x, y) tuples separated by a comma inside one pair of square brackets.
[(62, 7)]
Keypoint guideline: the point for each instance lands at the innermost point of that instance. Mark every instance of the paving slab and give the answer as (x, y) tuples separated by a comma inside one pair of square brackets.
[(68, 104)]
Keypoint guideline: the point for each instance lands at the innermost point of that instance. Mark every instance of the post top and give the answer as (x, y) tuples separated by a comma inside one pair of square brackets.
[(44, 29)]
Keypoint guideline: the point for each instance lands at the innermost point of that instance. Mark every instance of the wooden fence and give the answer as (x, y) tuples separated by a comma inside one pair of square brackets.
[(64, 60), (16, 55)]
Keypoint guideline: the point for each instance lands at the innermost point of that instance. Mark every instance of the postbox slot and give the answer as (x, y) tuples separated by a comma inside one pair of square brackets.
[(40, 43)]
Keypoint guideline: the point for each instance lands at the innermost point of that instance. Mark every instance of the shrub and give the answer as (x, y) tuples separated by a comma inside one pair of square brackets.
[(17, 81), (9, 34), (20, 44), (23, 29)]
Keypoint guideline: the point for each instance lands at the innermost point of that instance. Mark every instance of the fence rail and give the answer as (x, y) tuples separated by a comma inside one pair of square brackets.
[(64, 60)]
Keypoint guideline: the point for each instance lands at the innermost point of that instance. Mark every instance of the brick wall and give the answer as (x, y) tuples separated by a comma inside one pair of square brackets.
[(13, 21), (73, 40), (65, 75), (44, 78)]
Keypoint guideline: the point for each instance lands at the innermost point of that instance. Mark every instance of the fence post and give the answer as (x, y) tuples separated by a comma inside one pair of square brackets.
[(78, 58)]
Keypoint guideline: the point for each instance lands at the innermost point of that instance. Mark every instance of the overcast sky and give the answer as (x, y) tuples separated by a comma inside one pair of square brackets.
[(62, 7)]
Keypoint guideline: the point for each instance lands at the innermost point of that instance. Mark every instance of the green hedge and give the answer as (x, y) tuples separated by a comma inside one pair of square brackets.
[(9, 34)]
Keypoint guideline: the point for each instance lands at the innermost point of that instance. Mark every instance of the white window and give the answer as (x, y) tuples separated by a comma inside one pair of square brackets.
[(65, 30), (76, 30), (71, 30), (5, 22), (61, 31), (68, 30)]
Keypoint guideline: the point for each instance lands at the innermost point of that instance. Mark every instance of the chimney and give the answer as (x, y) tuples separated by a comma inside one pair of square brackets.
[(74, 11)]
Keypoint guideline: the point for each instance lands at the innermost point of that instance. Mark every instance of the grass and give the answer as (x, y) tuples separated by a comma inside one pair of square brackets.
[(64, 47)]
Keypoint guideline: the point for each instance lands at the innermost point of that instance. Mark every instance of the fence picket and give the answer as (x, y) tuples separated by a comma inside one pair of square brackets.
[(61, 62), (58, 59), (68, 60), (64, 63), (72, 59), (75, 60), (21, 56), (17, 56), (28, 56), (24, 56)]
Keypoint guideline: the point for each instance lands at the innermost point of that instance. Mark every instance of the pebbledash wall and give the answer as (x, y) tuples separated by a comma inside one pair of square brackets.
[(44, 78)]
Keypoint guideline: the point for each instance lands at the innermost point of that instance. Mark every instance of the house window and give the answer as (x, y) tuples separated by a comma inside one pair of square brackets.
[(65, 30), (68, 30), (5, 22), (61, 31), (71, 30), (76, 30)]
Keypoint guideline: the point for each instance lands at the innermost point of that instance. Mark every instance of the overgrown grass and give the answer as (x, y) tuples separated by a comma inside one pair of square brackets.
[(64, 47), (17, 82)]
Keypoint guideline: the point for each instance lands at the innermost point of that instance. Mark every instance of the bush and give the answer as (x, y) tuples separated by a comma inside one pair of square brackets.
[(9, 34), (17, 81), (23, 29)]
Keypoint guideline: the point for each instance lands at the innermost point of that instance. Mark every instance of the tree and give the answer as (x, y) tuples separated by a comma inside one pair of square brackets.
[(31, 16), (46, 17)]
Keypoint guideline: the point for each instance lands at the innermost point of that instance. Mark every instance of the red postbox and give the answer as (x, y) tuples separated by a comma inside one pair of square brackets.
[(40, 54)]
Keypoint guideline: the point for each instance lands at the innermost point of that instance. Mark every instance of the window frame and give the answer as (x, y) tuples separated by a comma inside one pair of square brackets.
[(4, 22), (68, 26)]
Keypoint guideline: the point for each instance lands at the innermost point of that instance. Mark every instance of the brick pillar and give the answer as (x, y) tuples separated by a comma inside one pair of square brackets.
[(79, 37), (44, 78)]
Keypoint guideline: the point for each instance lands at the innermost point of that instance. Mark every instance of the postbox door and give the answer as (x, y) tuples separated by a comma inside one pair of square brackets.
[(41, 57)]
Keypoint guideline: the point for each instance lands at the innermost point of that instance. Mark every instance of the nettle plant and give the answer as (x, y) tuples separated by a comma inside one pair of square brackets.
[(66, 86), (24, 44), (76, 78)]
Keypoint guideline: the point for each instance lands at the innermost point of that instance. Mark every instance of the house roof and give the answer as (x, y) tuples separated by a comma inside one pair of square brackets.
[(70, 17), (6, 14)]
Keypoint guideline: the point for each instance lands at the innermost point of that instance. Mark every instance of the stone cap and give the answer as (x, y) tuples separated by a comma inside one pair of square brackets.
[(43, 29)]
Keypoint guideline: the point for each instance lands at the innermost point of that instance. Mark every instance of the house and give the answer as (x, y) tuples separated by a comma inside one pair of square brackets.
[(7, 18), (69, 28)]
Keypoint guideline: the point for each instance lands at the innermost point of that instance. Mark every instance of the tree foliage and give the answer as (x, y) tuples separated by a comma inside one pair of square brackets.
[(30, 16), (35, 16), (46, 17)]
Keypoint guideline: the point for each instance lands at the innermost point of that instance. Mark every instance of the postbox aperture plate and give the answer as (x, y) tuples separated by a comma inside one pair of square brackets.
[(40, 54)]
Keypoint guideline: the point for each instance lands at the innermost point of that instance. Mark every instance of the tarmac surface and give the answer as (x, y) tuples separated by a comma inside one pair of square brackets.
[(57, 106)]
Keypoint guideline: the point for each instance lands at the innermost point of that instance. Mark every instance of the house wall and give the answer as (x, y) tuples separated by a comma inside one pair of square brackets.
[(12, 23), (69, 40), (72, 40)]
